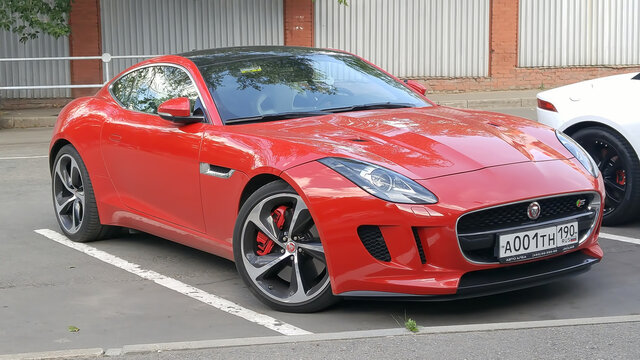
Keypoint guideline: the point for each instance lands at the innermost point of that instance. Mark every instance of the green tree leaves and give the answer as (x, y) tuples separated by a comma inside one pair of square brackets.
[(30, 18)]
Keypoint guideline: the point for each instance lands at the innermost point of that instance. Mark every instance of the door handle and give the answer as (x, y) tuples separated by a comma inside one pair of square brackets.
[(115, 137)]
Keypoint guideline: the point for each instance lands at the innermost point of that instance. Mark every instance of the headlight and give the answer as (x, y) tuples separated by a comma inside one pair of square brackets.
[(583, 157), (381, 182)]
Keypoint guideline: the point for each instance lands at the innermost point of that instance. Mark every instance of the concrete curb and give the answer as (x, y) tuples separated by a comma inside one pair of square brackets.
[(351, 335), (15, 122), (347, 335), (484, 104), (61, 354)]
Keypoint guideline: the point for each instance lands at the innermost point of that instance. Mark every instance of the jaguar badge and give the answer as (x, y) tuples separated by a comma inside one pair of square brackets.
[(533, 211)]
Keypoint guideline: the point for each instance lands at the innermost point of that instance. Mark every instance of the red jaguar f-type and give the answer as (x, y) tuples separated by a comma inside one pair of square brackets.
[(322, 176)]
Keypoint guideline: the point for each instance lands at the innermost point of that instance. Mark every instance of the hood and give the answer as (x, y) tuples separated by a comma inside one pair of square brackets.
[(421, 143)]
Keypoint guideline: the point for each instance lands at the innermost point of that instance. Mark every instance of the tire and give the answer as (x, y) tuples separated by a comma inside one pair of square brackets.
[(620, 170), (295, 252), (73, 199)]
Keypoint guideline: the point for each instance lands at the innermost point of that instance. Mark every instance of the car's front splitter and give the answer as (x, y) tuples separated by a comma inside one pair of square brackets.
[(499, 280)]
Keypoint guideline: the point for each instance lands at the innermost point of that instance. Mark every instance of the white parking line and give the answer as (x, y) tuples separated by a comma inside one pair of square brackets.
[(620, 238), (175, 285), (24, 157)]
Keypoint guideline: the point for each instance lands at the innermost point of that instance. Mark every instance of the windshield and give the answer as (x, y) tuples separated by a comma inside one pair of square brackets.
[(281, 87)]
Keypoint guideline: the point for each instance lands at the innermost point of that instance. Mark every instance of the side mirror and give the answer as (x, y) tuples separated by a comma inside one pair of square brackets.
[(178, 110), (416, 86)]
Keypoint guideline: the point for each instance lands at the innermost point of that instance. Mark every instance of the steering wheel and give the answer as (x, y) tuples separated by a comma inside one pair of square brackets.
[(325, 100), (264, 105), (319, 100)]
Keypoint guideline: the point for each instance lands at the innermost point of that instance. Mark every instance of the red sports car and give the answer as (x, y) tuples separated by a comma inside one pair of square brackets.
[(322, 176)]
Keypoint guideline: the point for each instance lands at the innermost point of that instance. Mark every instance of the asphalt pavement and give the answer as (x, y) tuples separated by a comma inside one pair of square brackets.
[(48, 290)]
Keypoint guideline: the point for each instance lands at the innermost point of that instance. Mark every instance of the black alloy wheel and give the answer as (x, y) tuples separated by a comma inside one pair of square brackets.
[(278, 251), (620, 169), (73, 199)]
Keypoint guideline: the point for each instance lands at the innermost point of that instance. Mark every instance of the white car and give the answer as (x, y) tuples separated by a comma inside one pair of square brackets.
[(603, 115)]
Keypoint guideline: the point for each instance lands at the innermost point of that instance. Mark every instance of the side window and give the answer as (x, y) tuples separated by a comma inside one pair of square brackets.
[(145, 89), (122, 88)]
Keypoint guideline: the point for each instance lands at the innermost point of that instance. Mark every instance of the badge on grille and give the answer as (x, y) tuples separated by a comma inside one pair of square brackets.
[(533, 211)]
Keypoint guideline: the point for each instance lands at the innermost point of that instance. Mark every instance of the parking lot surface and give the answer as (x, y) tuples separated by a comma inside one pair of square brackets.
[(47, 287)]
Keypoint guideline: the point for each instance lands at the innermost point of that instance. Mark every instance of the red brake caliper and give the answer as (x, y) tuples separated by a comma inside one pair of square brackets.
[(265, 245), (621, 177)]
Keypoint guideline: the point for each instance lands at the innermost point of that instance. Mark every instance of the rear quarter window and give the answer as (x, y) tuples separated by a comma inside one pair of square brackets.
[(145, 89)]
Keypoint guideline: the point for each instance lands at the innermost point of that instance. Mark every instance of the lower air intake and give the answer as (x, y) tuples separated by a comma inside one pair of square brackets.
[(372, 239)]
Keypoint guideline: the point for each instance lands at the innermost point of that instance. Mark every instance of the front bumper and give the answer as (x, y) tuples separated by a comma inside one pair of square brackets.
[(340, 208), (502, 279)]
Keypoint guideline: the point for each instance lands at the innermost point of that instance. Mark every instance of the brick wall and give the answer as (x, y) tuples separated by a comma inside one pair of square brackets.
[(85, 40), (298, 22)]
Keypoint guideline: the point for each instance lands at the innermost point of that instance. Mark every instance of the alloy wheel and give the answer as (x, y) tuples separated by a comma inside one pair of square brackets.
[(68, 192), (282, 252), (613, 168)]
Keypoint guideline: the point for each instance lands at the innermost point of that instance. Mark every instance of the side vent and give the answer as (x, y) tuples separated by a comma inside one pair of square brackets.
[(372, 239), (416, 237)]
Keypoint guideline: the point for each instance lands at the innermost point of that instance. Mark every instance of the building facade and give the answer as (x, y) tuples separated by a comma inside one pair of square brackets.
[(449, 45)]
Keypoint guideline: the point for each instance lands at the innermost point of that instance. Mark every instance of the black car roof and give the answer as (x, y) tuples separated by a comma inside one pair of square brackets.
[(231, 54)]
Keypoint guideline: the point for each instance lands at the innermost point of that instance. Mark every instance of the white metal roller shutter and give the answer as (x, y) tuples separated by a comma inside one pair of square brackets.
[(160, 27), (27, 73), (555, 33), (410, 38)]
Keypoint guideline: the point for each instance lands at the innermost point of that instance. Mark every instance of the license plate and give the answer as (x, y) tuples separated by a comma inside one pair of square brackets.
[(537, 243)]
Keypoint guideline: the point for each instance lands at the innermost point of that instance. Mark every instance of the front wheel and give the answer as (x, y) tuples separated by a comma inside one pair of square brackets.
[(620, 171), (278, 251)]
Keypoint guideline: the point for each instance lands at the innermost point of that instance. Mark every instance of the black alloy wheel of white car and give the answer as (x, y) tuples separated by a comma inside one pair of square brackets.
[(620, 169)]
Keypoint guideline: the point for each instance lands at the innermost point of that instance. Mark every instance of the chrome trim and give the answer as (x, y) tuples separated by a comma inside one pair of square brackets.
[(206, 169), (206, 110), (597, 200)]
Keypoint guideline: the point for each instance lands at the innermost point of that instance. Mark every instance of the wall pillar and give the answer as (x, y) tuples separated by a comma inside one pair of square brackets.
[(503, 35), (298, 22), (85, 40)]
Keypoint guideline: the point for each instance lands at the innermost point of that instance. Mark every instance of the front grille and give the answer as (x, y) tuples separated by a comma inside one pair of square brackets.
[(372, 239), (516, 214), (478, 231)]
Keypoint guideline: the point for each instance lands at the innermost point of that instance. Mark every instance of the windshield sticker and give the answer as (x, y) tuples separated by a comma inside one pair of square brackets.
[(251, 70)]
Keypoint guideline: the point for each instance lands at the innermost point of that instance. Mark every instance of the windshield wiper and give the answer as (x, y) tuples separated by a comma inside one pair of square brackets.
[(273, 117), (372, 106)]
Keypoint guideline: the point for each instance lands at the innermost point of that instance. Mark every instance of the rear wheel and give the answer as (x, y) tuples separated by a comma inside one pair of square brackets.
[(278, 251), (620, 170), (73, 198)]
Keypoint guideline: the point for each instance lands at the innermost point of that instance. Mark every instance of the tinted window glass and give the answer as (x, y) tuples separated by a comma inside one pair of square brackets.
[(300, 83), (145, 89)]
